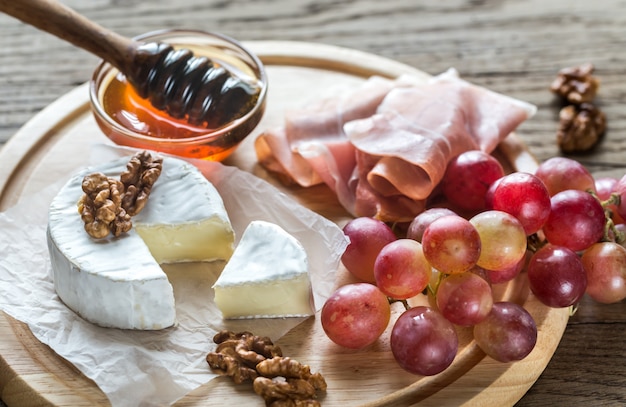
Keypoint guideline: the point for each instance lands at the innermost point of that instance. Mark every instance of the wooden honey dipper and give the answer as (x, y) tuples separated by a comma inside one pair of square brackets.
[(173, 80)]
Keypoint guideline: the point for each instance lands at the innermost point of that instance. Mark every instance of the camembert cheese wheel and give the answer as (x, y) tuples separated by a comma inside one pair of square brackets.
[(267, 276), (117, 281)]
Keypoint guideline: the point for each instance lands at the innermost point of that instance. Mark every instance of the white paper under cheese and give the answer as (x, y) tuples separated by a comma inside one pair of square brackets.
[(267, 276), (117, 282)]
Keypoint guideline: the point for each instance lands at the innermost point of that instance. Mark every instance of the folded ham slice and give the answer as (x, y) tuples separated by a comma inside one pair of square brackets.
[(369, 201), (383, 148), (312, 147)]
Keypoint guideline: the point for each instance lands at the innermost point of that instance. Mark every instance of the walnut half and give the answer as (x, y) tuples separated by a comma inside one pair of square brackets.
[(100, 207), (141, 173)]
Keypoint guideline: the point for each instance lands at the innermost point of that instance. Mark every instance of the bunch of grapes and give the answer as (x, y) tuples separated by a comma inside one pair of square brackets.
[(562, 226)]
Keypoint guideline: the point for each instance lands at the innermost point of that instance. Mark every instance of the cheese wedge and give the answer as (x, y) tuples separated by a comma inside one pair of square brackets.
[(267, 276), (117, 282)]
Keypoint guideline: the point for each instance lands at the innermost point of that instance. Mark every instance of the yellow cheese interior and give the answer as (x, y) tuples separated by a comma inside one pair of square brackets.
[(207, 240), (277, 298)]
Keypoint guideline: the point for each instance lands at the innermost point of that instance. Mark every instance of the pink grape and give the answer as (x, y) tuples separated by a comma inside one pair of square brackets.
[(401, 270), (451, 244), (421, 221), (355, 315), (467, 178), (480, 272), (423, 342), (506, 274), (524, 196), (604, 187), (556, 276), (508, 333), (620, 189), (502, 237), (561, 173), (605, 265), (464, 299), (367, 237), (576, 220)]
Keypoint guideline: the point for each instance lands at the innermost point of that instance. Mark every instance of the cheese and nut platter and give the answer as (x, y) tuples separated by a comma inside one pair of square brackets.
[(211, 283)]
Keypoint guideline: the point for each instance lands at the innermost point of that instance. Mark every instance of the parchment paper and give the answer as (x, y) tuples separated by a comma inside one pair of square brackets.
[(146, 368)]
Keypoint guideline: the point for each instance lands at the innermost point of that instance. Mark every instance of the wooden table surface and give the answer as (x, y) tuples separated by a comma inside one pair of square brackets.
[(514, 47)]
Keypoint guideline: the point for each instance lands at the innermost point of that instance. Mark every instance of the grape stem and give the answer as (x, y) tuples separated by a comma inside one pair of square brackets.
[(614, 199), (611, 233), (433, 290)]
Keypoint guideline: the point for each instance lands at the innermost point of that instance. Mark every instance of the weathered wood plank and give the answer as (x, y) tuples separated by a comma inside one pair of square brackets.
[(515, 47), (512, 47)]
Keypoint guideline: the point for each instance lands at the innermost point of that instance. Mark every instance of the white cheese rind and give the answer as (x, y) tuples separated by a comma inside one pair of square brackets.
[(267, 276), (117, 282)]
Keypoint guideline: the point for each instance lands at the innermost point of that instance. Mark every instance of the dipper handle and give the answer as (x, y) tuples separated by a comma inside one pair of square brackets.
[(57, 19)]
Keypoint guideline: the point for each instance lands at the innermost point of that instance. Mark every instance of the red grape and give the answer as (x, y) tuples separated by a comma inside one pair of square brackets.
[(502, 238), (605, 265), (401, 270), (464, 299), (620, 233), (451, 244), (524, 196), (421, 222), (561, 173), (508, 333), (423, 341), (467, 178), (576, 220), (367, 237), (556, 276), (490, 193), (355, 315), (506, 274)]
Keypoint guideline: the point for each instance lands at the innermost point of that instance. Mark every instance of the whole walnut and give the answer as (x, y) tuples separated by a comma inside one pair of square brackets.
[(580, 127), (108, 203), (576, 84)]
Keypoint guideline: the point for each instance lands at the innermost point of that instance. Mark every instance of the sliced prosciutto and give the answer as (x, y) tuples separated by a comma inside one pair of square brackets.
[(412, 138), (292, 149), (384, 147), (418, 129), (370, 201)]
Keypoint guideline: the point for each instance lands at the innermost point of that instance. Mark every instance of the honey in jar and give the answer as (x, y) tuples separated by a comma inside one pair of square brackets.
[(126, 107), (128, 119)]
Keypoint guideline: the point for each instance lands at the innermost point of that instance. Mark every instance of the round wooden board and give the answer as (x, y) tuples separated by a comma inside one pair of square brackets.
[(55, 143)]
